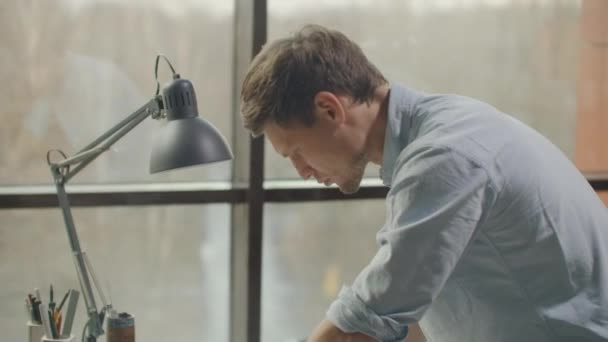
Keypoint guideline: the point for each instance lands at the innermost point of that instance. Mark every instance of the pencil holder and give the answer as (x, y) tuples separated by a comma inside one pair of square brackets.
[(34, 331), (67, 339)]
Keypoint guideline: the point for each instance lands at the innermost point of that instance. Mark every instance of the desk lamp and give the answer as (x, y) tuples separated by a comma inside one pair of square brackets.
[(186, 140)]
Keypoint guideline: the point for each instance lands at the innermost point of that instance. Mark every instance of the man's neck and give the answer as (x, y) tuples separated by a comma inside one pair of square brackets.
[(377, 131)]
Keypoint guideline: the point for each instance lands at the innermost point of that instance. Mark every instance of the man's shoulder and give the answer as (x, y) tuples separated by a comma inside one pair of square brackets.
[(424, 155)]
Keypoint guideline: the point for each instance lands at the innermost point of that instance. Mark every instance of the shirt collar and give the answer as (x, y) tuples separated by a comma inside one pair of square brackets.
[(399, 117)]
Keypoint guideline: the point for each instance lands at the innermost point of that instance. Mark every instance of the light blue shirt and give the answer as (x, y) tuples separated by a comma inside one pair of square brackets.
[(491, 233)]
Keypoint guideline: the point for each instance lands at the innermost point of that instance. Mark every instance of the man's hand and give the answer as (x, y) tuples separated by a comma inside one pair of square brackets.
[(415, 334), (328, 332)]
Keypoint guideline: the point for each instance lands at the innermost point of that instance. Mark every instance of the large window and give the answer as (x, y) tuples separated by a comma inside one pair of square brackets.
[(306, 261), (167, 266), (73, 69), (195, 254)]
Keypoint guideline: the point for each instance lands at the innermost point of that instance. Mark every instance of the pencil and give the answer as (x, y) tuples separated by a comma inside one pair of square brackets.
[(63, 301), (58, 323)]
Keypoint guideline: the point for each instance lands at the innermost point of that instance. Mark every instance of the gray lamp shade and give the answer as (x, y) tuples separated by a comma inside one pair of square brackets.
[(188, 142), (187, 139)]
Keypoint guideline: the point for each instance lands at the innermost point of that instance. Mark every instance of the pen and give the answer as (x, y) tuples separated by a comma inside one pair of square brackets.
[(44, 314), (36, 308), (28, 310), (51, 303), (63, 301), (53, 325), (30, 302)]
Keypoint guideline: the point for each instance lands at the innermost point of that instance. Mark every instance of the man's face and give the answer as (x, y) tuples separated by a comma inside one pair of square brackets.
[(324, 151)]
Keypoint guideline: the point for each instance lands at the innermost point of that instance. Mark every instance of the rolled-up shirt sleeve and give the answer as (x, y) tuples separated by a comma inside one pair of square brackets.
[(434, 207)]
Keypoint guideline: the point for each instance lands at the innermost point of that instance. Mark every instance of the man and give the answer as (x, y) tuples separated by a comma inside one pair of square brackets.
[(491, 233)]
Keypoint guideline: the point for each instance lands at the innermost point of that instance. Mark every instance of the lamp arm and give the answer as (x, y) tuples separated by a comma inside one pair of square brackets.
[(95, 321), (61, 175), (109, 138)]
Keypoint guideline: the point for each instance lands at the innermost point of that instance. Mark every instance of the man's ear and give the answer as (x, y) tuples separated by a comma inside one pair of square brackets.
[(328, 107)]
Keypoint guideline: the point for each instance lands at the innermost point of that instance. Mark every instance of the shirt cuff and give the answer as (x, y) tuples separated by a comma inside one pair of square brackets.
[(349, 313)]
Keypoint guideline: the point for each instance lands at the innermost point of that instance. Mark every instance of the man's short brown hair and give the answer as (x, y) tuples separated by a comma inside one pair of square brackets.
[(285, 76)]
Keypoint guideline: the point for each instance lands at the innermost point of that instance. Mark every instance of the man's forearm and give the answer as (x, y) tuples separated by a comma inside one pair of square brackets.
[(328, 332)]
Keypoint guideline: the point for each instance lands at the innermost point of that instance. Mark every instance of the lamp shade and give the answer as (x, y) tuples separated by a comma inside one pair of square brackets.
[(187, 139)]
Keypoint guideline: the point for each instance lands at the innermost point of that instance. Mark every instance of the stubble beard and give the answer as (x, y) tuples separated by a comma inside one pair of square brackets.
[(352, 183)]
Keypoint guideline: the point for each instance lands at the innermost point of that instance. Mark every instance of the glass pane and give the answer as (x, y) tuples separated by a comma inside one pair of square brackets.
[(72, 69), (310, 250), (520, 56), (167, 266)]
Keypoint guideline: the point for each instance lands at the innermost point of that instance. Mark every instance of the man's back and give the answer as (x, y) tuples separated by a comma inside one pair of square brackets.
[(536, 268)]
